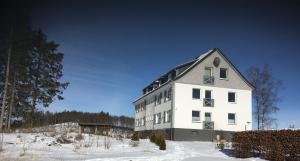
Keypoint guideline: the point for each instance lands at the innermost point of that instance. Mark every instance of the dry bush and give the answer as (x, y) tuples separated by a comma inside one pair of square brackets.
[(79, 137), (272, 145), (89, 142), (1, 141), (134, 143), (25, 147), (107, 142), (63, 140)]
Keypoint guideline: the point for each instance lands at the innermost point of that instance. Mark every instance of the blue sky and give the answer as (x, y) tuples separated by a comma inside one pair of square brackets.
[(112, 50)]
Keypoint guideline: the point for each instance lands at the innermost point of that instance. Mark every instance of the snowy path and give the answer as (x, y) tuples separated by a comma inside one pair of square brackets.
[(34, 147)]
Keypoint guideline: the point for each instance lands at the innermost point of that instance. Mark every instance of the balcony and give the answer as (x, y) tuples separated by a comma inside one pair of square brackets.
[(207, 79), (208, 102), (208, 125)]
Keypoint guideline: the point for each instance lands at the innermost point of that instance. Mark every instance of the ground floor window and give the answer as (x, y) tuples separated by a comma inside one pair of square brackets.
[(231, 118), (157, 118), (195, 116), (167, 116)]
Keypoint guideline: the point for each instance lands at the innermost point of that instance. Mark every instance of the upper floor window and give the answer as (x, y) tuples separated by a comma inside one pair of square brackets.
[(159, 98), (196, 93), (195, 116), (137, 108), (231, 97), (208, 71), (165, 95), (208, 76), (155, 100), (169, 94), (223, 73), (207, 116), (145, 104), (231, 118)]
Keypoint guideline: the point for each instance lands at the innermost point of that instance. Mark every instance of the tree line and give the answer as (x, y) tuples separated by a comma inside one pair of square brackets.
[(50, 118), (30, 68)]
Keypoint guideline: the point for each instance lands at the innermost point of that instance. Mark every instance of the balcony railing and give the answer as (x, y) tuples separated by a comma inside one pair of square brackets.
[(207, 79), (208, 102), (208, 125)]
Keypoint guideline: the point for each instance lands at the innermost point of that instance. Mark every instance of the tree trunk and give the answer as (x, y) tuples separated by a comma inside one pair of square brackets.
[(12, 99), (6, 84), (258, 113)]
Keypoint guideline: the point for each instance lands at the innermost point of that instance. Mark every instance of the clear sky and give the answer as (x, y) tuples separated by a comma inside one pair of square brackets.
[(113, 49)]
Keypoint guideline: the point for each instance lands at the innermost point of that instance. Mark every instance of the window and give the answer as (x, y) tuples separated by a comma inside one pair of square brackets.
[(143, 121), (165, 95), (169, 93), (157, 118), (143, 105), (196, 93), (167, 116), (231, 118), (136, 108), (208, 71), (207, 117), (155, 100), (195, 116), (159, 98), (223, 73), (231, 97), (208, 94)]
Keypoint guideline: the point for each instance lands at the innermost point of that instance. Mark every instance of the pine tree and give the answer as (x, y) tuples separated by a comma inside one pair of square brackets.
[(44, 72)]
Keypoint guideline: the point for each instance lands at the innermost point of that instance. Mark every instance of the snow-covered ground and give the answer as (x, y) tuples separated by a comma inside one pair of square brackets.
[(44, 146)]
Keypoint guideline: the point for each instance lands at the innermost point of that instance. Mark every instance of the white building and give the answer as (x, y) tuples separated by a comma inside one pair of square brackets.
[(197, 100)]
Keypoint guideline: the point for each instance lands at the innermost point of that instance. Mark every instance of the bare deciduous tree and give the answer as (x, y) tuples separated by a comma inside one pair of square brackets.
[(265, 95)]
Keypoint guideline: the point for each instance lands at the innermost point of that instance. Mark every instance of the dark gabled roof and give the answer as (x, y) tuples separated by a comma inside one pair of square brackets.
[(191, 64)]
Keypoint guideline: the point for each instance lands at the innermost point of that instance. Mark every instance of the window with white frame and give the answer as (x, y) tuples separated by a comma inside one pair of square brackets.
[(167, 116), (157, 118), (231, 118), (141, 107), (165, 96), (155, 100), (145, 104), (196, 93), (159, 98), (231, 97), (136, 108), (169, 94), (195, 116), (223, 73), (143, 121)]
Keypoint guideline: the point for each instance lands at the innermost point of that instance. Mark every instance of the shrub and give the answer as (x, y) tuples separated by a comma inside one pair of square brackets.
[(271, 145), (135, 137), (221, 145), (162, 144), (158, 140), (152, 137)]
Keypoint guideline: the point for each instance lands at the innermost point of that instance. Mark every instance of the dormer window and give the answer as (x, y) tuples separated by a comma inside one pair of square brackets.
[(223, 73)]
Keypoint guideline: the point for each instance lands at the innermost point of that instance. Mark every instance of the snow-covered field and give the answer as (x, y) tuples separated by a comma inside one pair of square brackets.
[(44, 146)]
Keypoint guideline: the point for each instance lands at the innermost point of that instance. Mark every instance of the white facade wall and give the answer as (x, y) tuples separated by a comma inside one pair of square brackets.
[(184, 105)]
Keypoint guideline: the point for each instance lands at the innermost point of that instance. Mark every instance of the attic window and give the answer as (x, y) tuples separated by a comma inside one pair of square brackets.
[(223, 73)]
